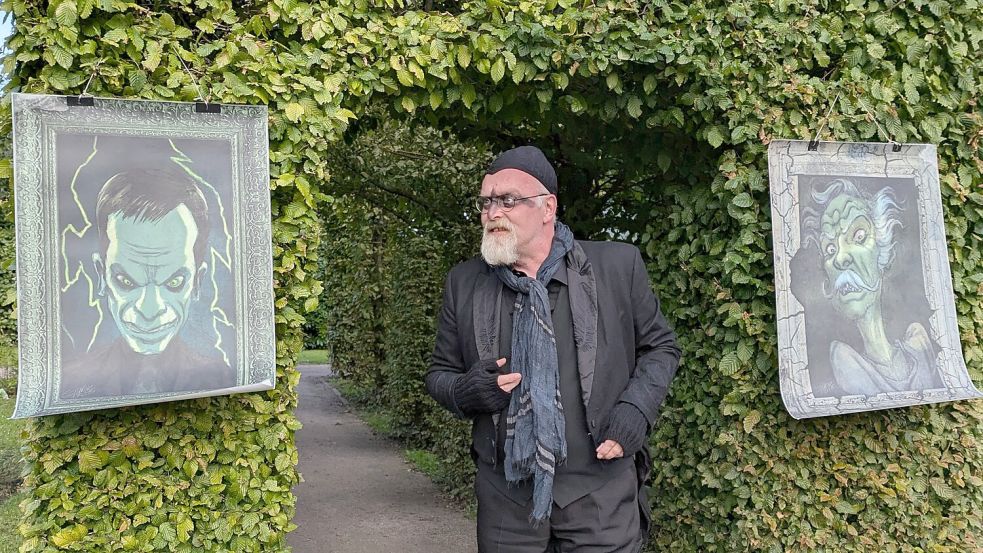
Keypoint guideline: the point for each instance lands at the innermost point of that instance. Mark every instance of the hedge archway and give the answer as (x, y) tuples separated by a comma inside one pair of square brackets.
[(707, 81)]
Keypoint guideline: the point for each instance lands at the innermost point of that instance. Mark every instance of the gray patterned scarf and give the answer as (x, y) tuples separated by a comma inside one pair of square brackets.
[(535, 441)]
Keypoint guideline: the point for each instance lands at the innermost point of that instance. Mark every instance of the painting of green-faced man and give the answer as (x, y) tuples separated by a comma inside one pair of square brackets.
[(146, 253), (864, 296), (144, 258)]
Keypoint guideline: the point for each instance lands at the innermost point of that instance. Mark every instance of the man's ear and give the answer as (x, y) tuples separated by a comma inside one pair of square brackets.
[(199, 276), (550, 206), (100, 268)]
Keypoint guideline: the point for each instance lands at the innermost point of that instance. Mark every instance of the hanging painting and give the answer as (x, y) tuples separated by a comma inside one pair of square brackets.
[(865, 308), (144, 263)]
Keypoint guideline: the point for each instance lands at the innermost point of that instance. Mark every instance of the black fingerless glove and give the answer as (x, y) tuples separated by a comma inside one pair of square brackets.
[(477, 391), (627, 426)]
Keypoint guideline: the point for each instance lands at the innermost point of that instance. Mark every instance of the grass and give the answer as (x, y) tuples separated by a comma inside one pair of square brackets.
[(10, 471), (380, 422), (429, 464), (9, 429), (9, 519), (424, 461), (8, 358), (313, 357), (359, 396)]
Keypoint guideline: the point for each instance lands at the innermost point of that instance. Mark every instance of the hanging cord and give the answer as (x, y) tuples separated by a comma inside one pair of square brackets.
[(895, 145), (188, 71), (95, 70), (814, 143), (84, 99), (202, 105)]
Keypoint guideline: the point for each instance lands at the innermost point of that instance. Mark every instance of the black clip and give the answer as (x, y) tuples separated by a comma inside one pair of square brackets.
[(75, 101), (896, 147), (813, 145), (205, 107)]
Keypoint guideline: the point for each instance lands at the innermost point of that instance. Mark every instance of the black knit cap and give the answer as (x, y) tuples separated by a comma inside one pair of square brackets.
[(529, 160)]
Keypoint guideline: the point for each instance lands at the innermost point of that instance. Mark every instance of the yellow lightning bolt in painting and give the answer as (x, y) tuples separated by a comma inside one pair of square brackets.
[(218, 314), (72, 279)]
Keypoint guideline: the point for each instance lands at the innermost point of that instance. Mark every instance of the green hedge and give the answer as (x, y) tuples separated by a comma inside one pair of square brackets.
[(707, 85), (202, 475), (386, 251), (8, 287), (657, 113)]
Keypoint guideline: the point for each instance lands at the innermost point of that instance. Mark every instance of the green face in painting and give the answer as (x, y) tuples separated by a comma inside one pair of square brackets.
[(150, 277), (850, 252)]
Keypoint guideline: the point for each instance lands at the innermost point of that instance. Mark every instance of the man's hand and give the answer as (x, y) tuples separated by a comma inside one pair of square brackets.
[(484, 389), (624, 432), (507, 382), (610, 449)]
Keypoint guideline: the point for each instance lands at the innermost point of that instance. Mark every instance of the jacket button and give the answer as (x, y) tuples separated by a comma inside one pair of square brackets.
[(593, 424)]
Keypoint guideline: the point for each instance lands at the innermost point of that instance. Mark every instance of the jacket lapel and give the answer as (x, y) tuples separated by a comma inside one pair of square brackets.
[(485, 314), (583, 307)]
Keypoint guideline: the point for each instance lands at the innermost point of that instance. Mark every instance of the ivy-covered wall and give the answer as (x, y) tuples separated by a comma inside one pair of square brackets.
[(658, 114)]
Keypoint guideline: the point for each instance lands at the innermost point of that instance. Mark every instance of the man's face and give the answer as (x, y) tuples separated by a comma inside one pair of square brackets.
[(508, 233), (149, 276), (849, 249)]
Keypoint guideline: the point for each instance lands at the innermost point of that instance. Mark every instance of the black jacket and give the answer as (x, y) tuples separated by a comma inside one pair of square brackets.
[(631, 357)]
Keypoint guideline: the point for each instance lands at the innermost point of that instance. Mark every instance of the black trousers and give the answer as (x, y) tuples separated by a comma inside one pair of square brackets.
[(606, 520)]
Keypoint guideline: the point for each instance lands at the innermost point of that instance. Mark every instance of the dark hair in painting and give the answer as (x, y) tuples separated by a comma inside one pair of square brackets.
[(149, 195)]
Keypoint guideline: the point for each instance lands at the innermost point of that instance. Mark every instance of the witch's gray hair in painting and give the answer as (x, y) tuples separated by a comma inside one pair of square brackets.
[(149, 195), (884, 215)]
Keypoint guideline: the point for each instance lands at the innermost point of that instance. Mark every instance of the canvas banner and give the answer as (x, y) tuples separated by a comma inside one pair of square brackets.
[(144, 257), (865, 308)]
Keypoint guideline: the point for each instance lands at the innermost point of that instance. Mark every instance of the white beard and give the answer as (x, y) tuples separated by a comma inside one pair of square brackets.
[(499, 248)]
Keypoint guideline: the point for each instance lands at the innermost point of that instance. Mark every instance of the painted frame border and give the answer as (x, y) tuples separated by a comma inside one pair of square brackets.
[(36, 119), (787, 159)]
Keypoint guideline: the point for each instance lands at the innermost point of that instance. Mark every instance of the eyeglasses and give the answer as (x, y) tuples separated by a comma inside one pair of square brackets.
[(505, 203)]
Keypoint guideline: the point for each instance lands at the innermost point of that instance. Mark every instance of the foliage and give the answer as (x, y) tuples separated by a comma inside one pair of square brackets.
[(8, 288), (734, 471), (8, 370), (405, 219), (657, 113), (388, 243), (346, 314), (11, 464), (8, 356), (202, 475), (707, 85)]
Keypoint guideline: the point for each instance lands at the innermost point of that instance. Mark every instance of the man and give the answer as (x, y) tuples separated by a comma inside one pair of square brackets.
[(856, 235), (557, 350), (153, 236)]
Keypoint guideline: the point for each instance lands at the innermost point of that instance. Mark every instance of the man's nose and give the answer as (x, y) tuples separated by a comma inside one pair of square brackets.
[(150, 304), (494, 211)]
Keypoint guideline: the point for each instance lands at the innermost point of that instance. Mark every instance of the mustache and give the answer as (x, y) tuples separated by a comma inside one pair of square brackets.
[(848, 281), (496, 225)]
